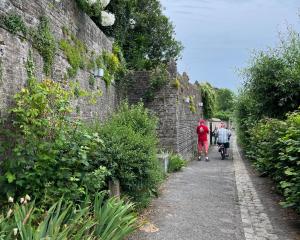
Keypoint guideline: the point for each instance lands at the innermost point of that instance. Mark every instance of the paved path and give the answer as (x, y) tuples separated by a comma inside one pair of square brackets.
[(213, 200)]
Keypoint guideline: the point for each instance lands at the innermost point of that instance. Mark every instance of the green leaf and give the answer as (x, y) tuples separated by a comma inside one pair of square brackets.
[(10, 177)]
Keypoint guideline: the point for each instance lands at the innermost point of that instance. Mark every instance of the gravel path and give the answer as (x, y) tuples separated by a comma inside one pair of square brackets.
[(213, 200)]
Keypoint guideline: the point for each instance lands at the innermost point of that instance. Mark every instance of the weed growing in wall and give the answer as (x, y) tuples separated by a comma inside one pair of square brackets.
[(159, 78), (45, 43), (176, 83), (1, 71), (75, 52), (14, 23), (192, 104)]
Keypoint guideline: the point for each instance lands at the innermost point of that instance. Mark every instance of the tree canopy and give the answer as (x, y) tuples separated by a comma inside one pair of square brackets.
[(144, 33)]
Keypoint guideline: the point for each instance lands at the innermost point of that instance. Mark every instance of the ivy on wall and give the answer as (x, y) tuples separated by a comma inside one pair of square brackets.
[(41, 37)]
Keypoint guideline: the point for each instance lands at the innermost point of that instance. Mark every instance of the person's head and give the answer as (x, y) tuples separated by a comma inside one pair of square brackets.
[(222, 125), (201, 122)]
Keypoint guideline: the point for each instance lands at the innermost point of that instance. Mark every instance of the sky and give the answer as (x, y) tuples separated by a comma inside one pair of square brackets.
[(219, 36)]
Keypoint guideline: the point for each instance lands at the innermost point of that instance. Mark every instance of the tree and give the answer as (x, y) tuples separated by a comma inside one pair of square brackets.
[(143, 32), (225, 100)]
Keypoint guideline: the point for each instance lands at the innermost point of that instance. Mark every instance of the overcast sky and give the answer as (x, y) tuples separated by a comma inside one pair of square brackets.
[(219, 35)]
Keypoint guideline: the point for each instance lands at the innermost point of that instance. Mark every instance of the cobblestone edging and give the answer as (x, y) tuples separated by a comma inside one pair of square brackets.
[(256, 223)]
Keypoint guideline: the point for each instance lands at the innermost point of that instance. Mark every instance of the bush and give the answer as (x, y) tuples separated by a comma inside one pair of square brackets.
[(130, 152), (46, 153), (289, 165), (176, 163), (274, 150)]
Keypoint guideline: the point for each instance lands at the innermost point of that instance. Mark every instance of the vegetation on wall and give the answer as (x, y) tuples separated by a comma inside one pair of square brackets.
[(159, 77), (14, 23), (41, 37), (75, 52), (176, 83), (208, 98), (192, 104), (45, 43)]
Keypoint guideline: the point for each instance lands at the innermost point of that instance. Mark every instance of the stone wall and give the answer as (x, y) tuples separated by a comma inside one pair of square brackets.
[(177, 123), (14, 52)]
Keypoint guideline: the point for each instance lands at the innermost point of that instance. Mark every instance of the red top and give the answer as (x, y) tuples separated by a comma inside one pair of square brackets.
[(202, 132)]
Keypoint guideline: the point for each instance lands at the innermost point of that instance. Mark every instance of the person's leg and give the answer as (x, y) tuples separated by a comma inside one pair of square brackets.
[(206, 150), (200, 146)]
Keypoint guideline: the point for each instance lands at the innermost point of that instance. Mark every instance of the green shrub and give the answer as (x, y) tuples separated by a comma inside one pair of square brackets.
[(274, 150), (46, 153), (176, 163), (290, 162), (130, 152), (265, 148)]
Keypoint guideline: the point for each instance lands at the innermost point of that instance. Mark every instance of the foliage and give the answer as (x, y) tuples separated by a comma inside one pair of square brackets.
[(289, 162), (75, 51), (14, 23), (192, 104), (176, 83), (47, 153), (106, 219), (208, 99), (225, 103), (274, 150), (114, 217), (271, 90), (275, 71), (143, 32), (45, 43), (224, 115), (159, 77), (130, 152), (176, 163)]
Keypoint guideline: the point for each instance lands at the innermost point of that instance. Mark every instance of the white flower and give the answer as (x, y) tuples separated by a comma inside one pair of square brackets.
[(132, 23), (104, 3), (15, 231), (10, 211), (11, 199), (22, 200), (107, 19), (27, 197)]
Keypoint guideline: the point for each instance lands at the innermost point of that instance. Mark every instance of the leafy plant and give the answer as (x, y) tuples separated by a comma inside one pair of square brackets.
[(115, 218), (14, 23), (130, 152), (76, 53), (51, 154), (208, 99), (110, 219), (45, 43), (192, 104), (159, 77), (176, 163)]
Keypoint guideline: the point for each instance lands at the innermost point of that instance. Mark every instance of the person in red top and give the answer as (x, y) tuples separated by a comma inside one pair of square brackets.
[(202, 131)]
